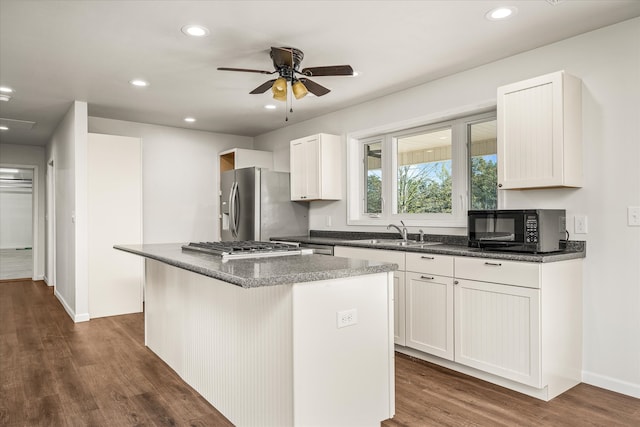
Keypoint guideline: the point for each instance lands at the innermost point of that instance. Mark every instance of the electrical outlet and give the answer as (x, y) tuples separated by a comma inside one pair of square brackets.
[(328, 221), (633, 216), (580, 224), (347, 317)]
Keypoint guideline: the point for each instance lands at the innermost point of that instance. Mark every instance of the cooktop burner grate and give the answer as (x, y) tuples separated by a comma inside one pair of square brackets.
[(245, 249)]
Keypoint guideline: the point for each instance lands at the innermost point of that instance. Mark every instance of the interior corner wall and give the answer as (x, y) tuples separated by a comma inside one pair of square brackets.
[(62, 149), (608, 62), (32, 155), (180, 170)]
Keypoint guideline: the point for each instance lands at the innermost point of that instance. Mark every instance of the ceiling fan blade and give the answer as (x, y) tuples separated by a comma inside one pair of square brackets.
[(245, 70), (282, 57), (314, 87), (263, 87), (329, 70)]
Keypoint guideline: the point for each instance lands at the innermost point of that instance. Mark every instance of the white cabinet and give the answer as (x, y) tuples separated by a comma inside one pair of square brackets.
[(239, 158), (396, 257), (540, 132), (520, 321), (497, 330), (429, 304), (517, 324), (316, 168)]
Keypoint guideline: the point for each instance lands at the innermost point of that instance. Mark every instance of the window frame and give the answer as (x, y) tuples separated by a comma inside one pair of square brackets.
[(388, 135)]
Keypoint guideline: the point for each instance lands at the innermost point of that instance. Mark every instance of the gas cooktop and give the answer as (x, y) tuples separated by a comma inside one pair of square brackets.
[(246, 249)]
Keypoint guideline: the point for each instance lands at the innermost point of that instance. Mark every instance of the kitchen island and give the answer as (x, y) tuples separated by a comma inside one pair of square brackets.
[(278, 341)]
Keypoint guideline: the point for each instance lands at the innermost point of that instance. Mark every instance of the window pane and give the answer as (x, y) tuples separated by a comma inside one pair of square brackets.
[(484, 168), (424, 173), (373, 177)]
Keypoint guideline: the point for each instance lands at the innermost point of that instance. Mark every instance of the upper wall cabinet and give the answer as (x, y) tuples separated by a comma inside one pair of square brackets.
[(540, 133), (316, 168), (238, 158)]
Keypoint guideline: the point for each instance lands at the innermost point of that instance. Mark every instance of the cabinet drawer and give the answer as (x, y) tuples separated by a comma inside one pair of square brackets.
[(441, 265), (516, 273), (396, 257)]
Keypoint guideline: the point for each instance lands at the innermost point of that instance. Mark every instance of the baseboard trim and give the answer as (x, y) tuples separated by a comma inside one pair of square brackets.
[(611, 384), (75, 317)]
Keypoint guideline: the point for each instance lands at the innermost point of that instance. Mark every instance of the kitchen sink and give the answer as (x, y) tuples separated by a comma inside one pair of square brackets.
[(393, 242)]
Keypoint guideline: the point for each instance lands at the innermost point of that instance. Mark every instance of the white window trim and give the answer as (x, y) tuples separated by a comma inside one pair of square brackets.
[(460, 193)]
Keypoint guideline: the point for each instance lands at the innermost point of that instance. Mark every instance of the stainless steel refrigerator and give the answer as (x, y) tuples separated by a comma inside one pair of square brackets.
[(256, 204)]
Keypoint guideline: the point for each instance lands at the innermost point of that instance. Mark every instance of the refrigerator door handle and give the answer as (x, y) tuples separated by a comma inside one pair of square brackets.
[(232, 210), (235, 209)]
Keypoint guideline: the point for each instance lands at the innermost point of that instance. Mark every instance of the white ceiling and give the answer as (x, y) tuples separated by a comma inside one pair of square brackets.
[(54, 52)]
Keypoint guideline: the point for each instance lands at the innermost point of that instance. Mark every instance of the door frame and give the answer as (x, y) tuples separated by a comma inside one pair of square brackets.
[(35, 209), (50, 226)]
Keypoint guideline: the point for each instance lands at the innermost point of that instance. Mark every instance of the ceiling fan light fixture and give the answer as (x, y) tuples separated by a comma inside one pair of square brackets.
[(279, 89), (299, 89)]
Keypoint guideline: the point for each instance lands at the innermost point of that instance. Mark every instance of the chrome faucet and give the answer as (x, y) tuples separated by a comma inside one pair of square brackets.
[(403, 231)]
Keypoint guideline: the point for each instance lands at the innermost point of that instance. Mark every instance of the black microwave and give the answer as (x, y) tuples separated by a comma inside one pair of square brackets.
[(528, 230)]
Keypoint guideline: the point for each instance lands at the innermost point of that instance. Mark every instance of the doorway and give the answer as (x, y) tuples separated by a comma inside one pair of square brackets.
[(17, 207)]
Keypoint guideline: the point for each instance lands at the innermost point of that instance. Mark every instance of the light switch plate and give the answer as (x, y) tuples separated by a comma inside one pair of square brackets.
[(633, 216)]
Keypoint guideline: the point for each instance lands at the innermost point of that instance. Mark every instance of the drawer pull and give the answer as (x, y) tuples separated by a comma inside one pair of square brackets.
[(427, 277), (427, 257), (496, 264)]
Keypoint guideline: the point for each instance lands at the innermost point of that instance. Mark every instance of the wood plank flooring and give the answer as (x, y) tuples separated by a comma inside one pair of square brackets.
[(99, 373)]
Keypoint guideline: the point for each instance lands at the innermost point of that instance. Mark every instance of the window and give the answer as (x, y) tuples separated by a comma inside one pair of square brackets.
[(373, 177), (426, 175), (483, 187)]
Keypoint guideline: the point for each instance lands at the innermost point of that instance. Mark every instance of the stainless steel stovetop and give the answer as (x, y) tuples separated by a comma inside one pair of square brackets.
[(246, 249)]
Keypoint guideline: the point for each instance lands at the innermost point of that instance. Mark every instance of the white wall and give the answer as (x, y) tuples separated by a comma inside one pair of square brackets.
[(608, 62), (66, 148), (32, 155), (180, 178)]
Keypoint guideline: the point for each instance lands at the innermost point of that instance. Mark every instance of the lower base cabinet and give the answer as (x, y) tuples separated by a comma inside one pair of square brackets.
[(429, 314), (497, 330), (517, 324)]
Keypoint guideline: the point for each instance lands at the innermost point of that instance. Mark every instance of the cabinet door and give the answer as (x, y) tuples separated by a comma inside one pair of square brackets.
[(312, 168), (497, 330), (298, 173), (305, 168), (530, 133), (429, 314), (399, 308)]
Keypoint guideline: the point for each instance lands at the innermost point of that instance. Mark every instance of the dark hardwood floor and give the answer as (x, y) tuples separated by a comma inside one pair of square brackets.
[(99, 373)]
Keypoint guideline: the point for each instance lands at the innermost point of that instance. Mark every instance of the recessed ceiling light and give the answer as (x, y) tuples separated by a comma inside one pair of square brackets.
[(4, 97), (5, 89), (139, 82), (195, 30), (500, 13), (7, 170), (189, 119), (270, 107)]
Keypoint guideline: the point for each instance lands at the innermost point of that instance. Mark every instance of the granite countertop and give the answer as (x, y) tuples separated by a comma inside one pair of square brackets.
[(447, 245), (256, 272)]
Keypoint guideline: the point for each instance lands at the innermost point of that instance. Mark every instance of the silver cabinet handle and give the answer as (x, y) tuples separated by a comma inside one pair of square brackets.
[(427, 277), (495, 264), (427, 257)]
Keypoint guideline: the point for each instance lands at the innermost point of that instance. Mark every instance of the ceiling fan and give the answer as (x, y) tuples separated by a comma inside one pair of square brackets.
[(286, 61)]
